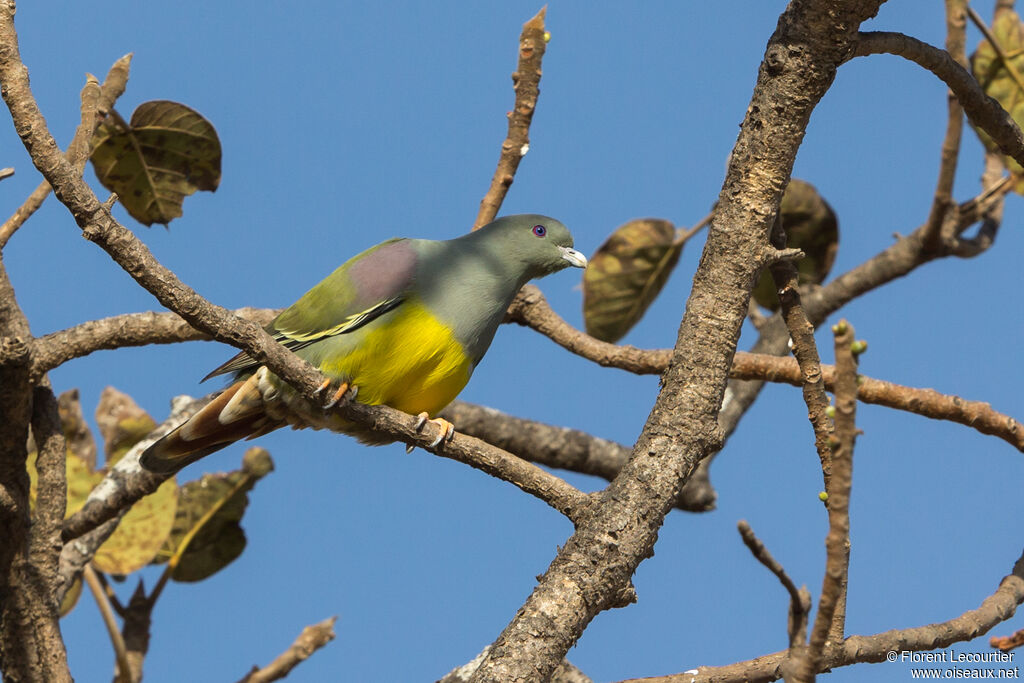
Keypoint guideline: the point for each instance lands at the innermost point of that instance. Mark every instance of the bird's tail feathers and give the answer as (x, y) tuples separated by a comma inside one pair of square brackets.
[(236, 413)]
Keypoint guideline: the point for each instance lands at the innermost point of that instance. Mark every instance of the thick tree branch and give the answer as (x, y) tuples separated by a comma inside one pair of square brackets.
[(526, 81), (596, 563)]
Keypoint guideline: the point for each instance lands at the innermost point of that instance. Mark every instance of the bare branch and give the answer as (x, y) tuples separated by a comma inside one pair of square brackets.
[(993, 610), (956, 26), (95, 104), (983, 111), (831, 615), (123, 670), (565, 673), (130, 329), (526, 80), (311, 639), (799, 599), (596, 563), (801, 331)]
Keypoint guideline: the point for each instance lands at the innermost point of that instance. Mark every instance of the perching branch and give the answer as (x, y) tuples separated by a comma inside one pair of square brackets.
[(526, 81)]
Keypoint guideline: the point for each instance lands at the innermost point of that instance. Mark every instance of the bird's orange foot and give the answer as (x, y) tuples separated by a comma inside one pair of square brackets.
[(447, 429), (345, 392)]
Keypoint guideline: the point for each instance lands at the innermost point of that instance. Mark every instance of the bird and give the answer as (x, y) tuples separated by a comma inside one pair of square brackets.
[(403, 324)]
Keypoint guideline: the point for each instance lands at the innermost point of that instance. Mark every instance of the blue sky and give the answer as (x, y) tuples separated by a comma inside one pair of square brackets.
[(343, 124)]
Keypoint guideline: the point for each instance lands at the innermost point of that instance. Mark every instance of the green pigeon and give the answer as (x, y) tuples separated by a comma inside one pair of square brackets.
[(402, 324)]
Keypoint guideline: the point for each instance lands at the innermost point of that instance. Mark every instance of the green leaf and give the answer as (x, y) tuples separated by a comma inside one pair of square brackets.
[(166, 153), (810, 225), (1004, 83), (626, 274), (207, 534), (142, 532)]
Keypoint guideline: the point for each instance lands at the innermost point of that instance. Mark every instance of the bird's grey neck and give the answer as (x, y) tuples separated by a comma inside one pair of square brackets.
[(469, 290)]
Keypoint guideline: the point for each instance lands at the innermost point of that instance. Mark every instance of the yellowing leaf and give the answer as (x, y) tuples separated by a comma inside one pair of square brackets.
[(122, 423), (81, 481), (166, 153), (71, 597), (141, 533), (626, 274), (1004, 83), (810, 225), (207, 534)]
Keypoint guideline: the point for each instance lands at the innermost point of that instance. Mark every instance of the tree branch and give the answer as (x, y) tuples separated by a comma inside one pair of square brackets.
[(983, 111), (130, 329), (526, 81), (596, 563), (993, 610), (801, 331), (123, 670), (799, 599), (311, 639), (95, 106)]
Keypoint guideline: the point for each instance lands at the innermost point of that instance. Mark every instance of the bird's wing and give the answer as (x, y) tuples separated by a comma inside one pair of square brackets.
[(364, 288)]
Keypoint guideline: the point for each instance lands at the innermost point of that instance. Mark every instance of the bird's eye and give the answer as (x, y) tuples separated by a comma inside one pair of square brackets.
[(540, 230)]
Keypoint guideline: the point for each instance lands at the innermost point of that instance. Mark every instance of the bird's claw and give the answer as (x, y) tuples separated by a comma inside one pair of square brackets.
[(344, 393), (447, 429)]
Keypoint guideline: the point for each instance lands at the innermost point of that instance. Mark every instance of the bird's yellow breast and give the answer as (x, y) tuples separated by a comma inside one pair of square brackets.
[(410, 361)]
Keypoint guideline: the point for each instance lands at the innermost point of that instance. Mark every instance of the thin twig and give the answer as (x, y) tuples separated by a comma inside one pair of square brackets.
[(6, 173), (311, 639), (799, 601), (526, 81), (956, 26), (1007, 643), (684, 236), (995, 609), (123, 674), (801, 331), (996, 47), (94, 106), (983, 111), (837, 569)]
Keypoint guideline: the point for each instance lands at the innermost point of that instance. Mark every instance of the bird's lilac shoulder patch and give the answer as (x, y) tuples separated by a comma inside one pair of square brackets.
[(385, 272)]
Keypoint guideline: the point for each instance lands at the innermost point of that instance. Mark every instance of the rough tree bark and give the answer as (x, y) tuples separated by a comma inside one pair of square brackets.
[(592, 571)]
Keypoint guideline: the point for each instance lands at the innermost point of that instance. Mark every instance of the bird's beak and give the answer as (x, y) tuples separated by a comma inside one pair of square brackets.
[(574, 257)]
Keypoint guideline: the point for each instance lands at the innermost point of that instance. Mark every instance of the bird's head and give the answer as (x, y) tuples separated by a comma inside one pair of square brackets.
[(540, 245)]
